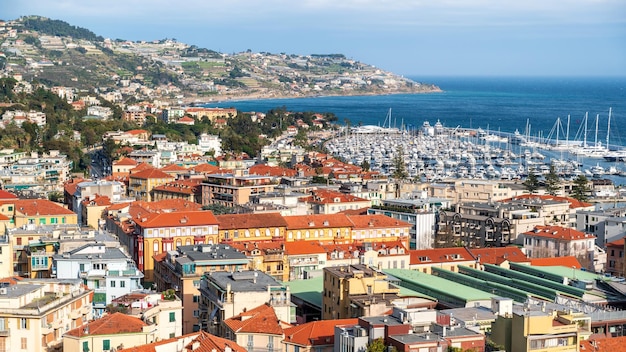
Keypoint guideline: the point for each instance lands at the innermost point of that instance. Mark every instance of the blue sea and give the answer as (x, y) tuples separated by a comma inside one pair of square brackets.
[(497, 104), (502, 104)]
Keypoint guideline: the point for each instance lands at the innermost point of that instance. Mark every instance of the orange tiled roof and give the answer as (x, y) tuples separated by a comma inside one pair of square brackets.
[(173, 168), (317, 221), (205, 168), (239, 221), (497, 255), (375, 221), (260, 320), (98, 200), (211, 343), (573, 203), (558, 232), (151, 173), (440, 255), (266, 170), (324, 196), (69, 186), (180, 218), (617, 243), (116, 323), (37, 207), (567, 261), (125, 162), (263, 246), (316, 333), (135, 132), (303, 247), (180, 186), (607, 344)]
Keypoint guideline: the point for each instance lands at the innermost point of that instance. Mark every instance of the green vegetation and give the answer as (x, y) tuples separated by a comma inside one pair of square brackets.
[(532, 182), (580, 189), (553, 181), (59, 28)]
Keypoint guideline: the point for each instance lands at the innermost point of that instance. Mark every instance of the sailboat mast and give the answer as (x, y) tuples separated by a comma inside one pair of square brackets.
[(596, 138), (608, 129), (567, 134), (585, 138)]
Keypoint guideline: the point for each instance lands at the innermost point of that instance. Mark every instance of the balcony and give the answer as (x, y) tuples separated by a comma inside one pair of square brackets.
[(5, 332), (47, 329)]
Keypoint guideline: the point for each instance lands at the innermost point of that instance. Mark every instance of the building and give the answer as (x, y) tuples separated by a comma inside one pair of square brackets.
[(224, 295), (189, 190), (34, 314), (345, 286), (269, 257), (306, 259), (379, 228), (315, 336), (195, 342), (148, 229), (182, 269), (234, 228), (420, 213), (607, 225), (88, 190), (113, 331), (142, 183), (325, 201), (615, 258), (231, 190), (108, 271), (556, 241), (30, 213), (521, 330), (323, 228), (258, 329), (163, 310), (444, 258), (6, 256)]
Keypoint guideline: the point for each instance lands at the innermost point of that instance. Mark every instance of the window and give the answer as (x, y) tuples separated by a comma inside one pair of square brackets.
[(24, 343), (82, 268), (172, 317), (296, 348), (23, 323), (85, 346), (122, 283), (250, 343), (270, 344), (106, 345), (112, 283), (196, 313), (196, 299)]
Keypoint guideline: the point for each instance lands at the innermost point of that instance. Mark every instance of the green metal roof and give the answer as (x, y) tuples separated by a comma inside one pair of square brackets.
[(563, 271), (309, 290), (439, 288)]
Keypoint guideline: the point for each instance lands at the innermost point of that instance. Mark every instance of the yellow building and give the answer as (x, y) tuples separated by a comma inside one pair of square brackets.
[(140, 184), (379, 228), (34, 314), (523, 329), (269, 257), (345, 286), (37, 256), (325, 228), (235, 228), (92, 210), (33, 212), (113, 331)]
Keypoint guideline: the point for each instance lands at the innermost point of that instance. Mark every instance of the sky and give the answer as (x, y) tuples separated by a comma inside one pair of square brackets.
[(407, 37)]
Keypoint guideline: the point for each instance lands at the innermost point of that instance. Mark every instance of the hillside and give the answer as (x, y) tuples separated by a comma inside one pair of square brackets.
[(56, 53)]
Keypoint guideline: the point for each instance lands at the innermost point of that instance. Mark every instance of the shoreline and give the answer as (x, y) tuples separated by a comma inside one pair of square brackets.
[(196, 101)]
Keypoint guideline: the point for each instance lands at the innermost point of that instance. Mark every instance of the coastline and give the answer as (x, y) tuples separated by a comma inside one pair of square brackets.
[(220, 99)]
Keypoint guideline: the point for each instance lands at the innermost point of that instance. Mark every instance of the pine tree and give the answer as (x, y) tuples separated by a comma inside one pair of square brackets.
[(398, 162), (532, 182), (553, 181), (580, 188)]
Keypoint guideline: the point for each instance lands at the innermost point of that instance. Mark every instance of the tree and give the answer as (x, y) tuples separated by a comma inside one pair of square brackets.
[(532, 182), (553, 181), (377, 345), (398, 163), (580, 188), (365, 165)]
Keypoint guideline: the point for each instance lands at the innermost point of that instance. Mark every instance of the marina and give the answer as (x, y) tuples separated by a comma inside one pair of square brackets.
[(435, 153)]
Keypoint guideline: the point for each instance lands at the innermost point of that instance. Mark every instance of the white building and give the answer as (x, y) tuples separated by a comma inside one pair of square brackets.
[(208, 142), (108, 271)]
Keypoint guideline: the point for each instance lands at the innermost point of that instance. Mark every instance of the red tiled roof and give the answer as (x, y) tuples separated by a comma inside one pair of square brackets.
[(181, 218), (180, 186), (135, 132), (558, 232), (440, 255), (173, 167), (375, 221), (607, 344), (573, 203), (36, 207), (239, 221), (260, 320), (205, 168), (263, 246), (98, 200), (116, 323), (151, 173), (317, 221), (211, 343), (7, 195), (567, 261), (125, 161), (303, 247), (497, 255), (617, 243), (266, 170), (316, 333), (69, 186)]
